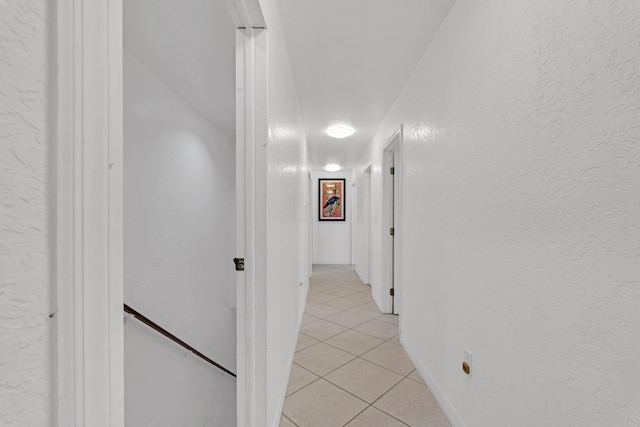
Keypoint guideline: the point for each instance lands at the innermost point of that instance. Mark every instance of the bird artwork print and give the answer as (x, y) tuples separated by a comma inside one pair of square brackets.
[(332, 203), (332, 199)]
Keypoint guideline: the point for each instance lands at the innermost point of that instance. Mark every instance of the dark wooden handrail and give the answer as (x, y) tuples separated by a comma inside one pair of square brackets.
[(150, 323)]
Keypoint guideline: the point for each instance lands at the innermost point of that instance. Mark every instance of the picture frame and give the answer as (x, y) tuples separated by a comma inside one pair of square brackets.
[(331, 199)]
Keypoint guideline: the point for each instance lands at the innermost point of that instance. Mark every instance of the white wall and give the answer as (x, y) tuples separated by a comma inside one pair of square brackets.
[(287, 217), (166, 386), (521, 174), (332, 239), (179, 221), (25, 340), (361, 229)]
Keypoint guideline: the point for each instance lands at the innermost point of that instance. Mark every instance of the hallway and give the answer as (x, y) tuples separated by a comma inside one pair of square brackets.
[(349, 368), (191, 161)]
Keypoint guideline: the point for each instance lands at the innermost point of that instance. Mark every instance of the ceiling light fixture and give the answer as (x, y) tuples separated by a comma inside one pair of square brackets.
[(332, 167), (340, 131)]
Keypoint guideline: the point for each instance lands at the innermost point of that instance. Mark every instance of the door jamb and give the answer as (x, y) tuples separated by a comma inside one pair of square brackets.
[(366, 173), (392, 272), (86, 111), (251, 139)]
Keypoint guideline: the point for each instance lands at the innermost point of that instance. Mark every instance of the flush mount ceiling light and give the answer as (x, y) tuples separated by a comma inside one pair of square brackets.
[(340, 131), (332, 167)]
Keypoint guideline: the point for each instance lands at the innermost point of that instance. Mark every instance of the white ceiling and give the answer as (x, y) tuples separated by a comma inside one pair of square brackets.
[(350, 60), (190, 46)]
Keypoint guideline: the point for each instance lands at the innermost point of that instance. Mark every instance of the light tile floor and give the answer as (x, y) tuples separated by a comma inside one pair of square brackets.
[(349, 368)]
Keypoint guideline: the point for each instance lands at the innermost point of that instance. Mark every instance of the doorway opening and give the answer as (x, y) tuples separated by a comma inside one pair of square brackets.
[(89, 198)]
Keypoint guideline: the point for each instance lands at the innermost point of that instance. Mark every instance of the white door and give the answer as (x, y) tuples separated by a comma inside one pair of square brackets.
[(392, 217), (396, 239)]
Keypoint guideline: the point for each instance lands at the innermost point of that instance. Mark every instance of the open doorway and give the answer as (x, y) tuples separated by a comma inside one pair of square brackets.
[(392, 213), (90, 224), (179, 212), (189, 210)]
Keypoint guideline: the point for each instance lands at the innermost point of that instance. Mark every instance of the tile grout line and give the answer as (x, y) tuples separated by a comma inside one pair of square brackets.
[(355, 357), (353, 329)]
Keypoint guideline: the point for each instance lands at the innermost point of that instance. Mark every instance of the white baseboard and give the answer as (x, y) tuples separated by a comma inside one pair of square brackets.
[(446, 406)]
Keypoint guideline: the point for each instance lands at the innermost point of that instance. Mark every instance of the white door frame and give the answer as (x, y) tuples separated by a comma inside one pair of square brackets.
[(363, 188), (251, 202), (87, 199), (392, 217), (369, 207), (251, 139), (310, 215), (86, 114)]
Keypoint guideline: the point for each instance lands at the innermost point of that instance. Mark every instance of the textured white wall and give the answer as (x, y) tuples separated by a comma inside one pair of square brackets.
[(332, 239), (25, 344), (287, 216), (522, 178), (179, 221)]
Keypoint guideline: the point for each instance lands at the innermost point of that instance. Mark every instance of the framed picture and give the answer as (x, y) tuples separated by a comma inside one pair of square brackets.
[(331, 199)]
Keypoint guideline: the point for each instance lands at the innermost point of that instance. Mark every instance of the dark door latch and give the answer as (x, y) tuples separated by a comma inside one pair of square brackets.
[(239, 262)]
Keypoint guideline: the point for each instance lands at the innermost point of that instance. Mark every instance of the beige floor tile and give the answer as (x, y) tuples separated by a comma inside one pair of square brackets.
[(395, 340), (390, 356), (339, 280), (322, 358), (361, 296), (364, 379), (415, 375), (325, 286), (378, 329), (305, 341), (286, 422), (322, 405), (340, 291), (310, 303), (372, 305), (321, 329), (393, 319), (341, 322), (307, 318), (413, 404), (352, 282), (348, 319), (348, 283), (322, 310), (373, 417), (321, 297), (354, 342), (344, 303), (367, 309), (299, 378)]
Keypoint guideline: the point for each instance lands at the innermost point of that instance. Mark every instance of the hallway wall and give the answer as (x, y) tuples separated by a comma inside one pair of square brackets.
[(521, 170), (287, 217), (179, 224), (25, 238), (361, 228), (332, 239)]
